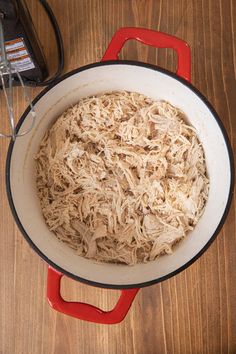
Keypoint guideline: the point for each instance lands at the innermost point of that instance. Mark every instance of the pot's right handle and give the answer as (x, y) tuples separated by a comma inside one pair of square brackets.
[(154, 39), (85, 311)]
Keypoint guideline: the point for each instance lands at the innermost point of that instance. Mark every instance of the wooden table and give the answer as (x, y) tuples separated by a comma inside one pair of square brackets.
[(193, 312)]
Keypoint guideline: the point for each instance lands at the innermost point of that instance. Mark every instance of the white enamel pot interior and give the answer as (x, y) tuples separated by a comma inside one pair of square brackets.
[(95, 79)]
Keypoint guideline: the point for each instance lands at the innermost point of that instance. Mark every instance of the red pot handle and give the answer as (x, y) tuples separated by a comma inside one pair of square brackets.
[(85, 311), (154, 39)]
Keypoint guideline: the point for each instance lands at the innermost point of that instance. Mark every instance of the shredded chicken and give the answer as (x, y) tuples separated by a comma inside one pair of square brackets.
[(121, 178)]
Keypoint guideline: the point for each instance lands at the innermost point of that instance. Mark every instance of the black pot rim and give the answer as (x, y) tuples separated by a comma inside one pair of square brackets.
[(120, 286)]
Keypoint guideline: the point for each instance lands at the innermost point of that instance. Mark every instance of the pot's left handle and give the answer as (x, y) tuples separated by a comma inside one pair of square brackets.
[(155, 39), (84, 311)]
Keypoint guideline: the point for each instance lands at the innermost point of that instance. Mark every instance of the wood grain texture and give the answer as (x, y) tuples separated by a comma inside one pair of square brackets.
[(193, 312)]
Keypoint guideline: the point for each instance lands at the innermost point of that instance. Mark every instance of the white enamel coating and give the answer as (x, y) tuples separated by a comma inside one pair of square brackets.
[(156, 85)]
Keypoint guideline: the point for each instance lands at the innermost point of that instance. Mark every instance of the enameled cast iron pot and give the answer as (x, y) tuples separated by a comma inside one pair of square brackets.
[(108, 75)]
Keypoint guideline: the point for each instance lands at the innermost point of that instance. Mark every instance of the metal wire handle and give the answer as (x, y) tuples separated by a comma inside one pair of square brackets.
[(7, 71)]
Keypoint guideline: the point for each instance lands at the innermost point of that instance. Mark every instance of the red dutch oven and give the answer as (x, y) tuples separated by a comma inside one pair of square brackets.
[(108, 75)]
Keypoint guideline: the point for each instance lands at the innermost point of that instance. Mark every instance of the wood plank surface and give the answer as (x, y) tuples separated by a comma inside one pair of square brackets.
[(193, 312)]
